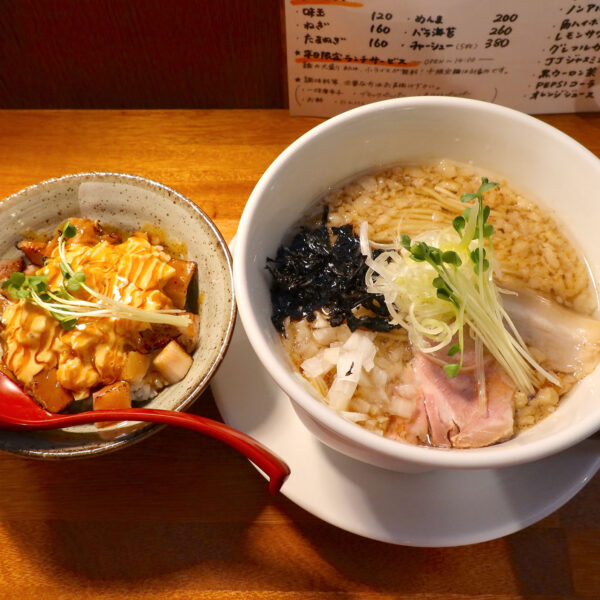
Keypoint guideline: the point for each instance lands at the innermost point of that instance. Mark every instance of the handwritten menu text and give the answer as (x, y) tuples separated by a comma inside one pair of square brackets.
[(538, 56)]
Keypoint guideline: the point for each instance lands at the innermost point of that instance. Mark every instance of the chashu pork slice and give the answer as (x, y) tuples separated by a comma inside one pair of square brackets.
[(411, 426), (414, 429), (569, 340), (452, 405)]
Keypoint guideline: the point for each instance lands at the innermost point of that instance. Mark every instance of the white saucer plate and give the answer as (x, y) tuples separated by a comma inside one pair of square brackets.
[(437, 508)]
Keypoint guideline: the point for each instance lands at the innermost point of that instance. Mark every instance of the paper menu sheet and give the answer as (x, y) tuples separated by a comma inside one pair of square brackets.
[(538, 56)]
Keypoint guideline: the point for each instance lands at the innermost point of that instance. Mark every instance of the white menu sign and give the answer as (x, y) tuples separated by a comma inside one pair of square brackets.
[(538, 56)]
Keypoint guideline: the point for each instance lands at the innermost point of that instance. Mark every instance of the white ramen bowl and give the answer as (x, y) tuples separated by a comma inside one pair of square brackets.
[(535, 159)]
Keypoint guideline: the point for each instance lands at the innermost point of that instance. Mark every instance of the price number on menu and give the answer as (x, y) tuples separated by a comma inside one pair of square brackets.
[(500, 31), (380, 28)]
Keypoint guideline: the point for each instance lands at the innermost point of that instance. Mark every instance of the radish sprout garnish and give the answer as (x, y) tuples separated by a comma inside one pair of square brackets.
[(440, 281)]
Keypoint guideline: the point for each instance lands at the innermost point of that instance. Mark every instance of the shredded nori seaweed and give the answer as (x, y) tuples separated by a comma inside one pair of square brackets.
[(312, 274)]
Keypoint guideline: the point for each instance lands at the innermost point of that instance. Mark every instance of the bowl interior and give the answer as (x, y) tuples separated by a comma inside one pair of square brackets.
[(130, 203), (533, 157)]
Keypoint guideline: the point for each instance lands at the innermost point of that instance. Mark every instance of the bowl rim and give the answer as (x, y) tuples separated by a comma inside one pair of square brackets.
[(145, 429), (493, 456)]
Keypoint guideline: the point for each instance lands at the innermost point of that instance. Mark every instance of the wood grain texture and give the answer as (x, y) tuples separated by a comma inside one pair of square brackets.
[(141, 54), (179, 516)]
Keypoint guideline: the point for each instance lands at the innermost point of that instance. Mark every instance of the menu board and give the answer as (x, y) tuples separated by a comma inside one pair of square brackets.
[(538, 56)]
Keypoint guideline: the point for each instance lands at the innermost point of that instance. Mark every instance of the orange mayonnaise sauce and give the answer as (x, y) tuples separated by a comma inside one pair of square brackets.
[(95, 351)]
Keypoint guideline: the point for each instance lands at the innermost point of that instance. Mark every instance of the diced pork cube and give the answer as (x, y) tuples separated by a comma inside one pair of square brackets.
[(115, 395), (48, 392), (34, 251), (9, 266), (88, 232), (177, 286), (173, 362), (154, 337), (110, 397), (135, 367), (190, 334)]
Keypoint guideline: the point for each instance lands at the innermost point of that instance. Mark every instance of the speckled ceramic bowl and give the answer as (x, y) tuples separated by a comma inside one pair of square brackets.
[(128, 202)]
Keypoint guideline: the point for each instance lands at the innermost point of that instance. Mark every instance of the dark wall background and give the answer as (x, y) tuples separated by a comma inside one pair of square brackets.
[(141, 54)]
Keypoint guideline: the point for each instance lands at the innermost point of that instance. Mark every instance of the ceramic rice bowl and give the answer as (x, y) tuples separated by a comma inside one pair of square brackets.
[(128, 202)]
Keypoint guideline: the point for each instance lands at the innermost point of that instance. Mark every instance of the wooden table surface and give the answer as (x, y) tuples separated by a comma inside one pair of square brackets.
[(181, 516)]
